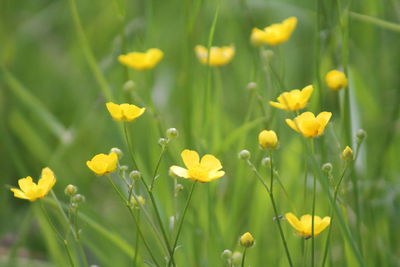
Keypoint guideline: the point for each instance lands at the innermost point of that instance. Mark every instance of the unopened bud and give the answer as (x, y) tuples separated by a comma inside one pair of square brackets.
[(162, 141), (361, 135), (135, 175), (78, 198), (70, 190), (327, 167), (172, 133), (267, 139), (244, 154), (247, 240), (129, 85), (236, 258), (226, 254), (123, 168), (135, 203), (347, 154), (178, 188), (251, 86), (118, 151), (266, 162)]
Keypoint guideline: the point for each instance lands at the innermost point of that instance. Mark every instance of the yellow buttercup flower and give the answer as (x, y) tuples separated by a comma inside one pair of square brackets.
[(347, 153), (124, 112), (204, 170), (246, 240), (293, 100), (274, 34), (304, 225), (142, 61), (32, 191), (218, 55), (309, 125), (336, 80), (268, 139), (102, 164)]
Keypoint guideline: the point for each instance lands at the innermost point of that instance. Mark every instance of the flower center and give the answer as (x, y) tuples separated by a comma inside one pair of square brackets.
[(198, 173)]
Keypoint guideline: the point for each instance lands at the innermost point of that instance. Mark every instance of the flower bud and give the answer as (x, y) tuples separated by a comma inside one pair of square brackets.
[(327, 167), (266, 162), (129, 85), (135, 175), (247, 240), (268, 139), (360, 135), (123, 168), (78, 198), (347, 154), (70, 190), (118, 151), (236, 258), (226, 254), (268, 54), (162, 142), (178, 188), (336, 80), (251, 86), (244, 154), (135, 203), (172, 133)]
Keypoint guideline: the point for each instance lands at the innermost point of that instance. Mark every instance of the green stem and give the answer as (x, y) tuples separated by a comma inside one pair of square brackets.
[(244, 256), (131, 212), (378, 22), (157, 167), (129, 145), (313, 211), (181, 223), (137, 241)]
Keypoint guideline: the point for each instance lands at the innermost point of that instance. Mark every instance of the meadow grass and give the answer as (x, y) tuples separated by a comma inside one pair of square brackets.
[(59, 66)]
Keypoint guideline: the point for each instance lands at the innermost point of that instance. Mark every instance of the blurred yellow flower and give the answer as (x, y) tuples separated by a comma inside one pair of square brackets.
[(304, 225), (274, 34), (102, 164), (218, 55), (347, 153), (142, 61), (336, 80), (32, 191), (124, 112), (206, 170), (246, 240), (293, 100), (268, 139), (309, 125)]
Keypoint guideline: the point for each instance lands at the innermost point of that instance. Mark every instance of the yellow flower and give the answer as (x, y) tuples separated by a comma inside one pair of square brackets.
[(32, 191), (274, 34), (124, 112), (246, 240), (142, 61), (336, 80), (347, 153), (293, 100), (103, 164), (309, 125), (218, 55), (206, 170), (304, 225), (268, 139)]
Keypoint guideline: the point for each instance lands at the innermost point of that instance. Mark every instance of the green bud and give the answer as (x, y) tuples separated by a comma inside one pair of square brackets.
[(162, 142), (236, 258), (135, 175), (226, 254), (172, 133), (129, 85), (244, 154), (78, 198), (118, 151), (327, 167), (123, 168), (266, 162), (70, 190), (361, 135)]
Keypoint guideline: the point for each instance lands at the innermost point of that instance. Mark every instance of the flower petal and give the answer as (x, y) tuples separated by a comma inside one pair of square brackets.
[(18, 193), (292, 219), (26, 184), (323, 118), (179, 171), (278, 105), (190, 158), (292, 125), (115, 110), (215, 175), (210, 162), (322, 225)]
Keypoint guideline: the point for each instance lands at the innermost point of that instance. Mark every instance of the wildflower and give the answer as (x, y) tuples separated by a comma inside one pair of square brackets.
[(274, 34), (293, 100), (32, 191), (102, 164), (309, 125), (304, 225), (142, 61), (247, 240), (124, 112), (119, 152), (268, 139), (336, 80), (219, 56), (347, 154), (206, 170)]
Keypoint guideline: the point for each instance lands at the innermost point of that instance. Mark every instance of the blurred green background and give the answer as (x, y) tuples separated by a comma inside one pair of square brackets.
[(53, 114)]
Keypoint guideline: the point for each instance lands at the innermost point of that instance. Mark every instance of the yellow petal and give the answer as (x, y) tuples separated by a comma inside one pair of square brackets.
[(215, 175), (97, 167), (18, 193), (115, 110), (292, 124), (306, 93), (278, 105), (131, 112), (210, 162), (190, 158), (322, 225), (26, 184), (47, 180), (292, 219), (179, 171), (324, 117), (112, 161)]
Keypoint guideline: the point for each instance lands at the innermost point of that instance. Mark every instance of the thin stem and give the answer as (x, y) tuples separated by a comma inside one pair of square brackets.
[(163, 148), (181, 223), (127, 204), (313, 210), (129, 145), (137, 241), (244, 256)]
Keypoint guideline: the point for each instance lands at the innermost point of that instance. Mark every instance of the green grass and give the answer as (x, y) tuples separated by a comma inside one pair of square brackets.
[(59, 66)]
